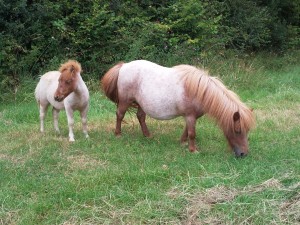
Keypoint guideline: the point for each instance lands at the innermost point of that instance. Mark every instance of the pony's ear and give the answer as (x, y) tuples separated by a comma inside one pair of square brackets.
[(236, 116), (237, 122), (73, 71)]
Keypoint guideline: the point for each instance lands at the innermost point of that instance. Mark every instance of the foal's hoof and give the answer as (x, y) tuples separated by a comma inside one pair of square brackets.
[(71, 140)]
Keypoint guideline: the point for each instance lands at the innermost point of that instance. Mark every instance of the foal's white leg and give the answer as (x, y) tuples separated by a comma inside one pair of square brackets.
[(70, 117), (55, 113), (43, 111), (83, 115)]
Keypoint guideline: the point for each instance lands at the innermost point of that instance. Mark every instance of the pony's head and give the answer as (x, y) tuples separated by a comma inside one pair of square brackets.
[(67, 81), (238, 136), (232, 115)]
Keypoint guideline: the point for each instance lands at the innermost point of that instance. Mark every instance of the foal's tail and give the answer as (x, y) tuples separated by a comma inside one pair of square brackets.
[(109, 83)]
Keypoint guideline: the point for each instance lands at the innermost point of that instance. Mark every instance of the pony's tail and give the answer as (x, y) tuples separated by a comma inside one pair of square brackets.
[(109, 83)]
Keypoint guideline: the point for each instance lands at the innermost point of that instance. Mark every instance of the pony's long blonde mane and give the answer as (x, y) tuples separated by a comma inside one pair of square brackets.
[(215, 99), (71, 65)]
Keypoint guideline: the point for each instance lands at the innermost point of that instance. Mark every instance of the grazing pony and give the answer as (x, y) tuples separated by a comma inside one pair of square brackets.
[(165, 93), (63, 89)]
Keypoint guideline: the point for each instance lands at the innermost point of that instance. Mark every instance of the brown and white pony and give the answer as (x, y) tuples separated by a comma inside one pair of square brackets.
[(165, 93), (63, 89)]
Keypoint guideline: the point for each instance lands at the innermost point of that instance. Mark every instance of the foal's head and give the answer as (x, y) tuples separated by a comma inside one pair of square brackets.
[(67, 81), (238, 137)]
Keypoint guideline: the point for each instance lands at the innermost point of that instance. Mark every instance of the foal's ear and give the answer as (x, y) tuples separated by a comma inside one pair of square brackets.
[(72, 70), (237, 122)]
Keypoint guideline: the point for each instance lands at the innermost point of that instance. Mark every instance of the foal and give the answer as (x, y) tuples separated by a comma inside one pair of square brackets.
[(63, 89)]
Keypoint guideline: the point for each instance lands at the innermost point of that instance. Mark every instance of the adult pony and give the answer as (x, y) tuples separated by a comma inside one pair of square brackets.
[(165, 93), (63, 89)]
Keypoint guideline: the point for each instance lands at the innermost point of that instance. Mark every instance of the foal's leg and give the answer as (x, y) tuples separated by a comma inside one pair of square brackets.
[(70, 117), (83, 115), (43, 112), (55, 113), (121, 110), (191, 131), (141, 115)]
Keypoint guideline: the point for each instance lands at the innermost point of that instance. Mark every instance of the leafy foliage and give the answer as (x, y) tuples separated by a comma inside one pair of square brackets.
[(36, 36)]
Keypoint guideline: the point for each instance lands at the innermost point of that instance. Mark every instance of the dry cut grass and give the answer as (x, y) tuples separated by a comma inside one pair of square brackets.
[(282, 118), (200, 207)]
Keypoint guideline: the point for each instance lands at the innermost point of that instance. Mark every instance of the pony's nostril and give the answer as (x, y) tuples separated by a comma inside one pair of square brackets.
[(242, 154)]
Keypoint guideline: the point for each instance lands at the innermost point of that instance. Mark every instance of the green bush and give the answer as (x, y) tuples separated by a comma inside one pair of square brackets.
[(39, 36)]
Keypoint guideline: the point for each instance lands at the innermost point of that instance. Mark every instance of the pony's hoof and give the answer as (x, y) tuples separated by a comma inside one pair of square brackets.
[(118, 135), (71, 140), (149, 136), (194, 151), (183, 143)]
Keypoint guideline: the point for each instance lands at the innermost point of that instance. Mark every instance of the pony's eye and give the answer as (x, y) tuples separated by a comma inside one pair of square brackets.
[(68, 81)]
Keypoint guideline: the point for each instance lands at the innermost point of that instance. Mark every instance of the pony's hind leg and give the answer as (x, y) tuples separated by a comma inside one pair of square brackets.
[(43, 112), (55, 114), (121, 110), (141, 115), (83, 115)]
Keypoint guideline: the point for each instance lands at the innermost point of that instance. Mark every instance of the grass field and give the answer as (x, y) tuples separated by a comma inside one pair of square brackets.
[(44, 179)]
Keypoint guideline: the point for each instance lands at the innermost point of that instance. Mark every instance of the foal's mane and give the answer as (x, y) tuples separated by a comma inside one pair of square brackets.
[(215, 99), (72, 66)]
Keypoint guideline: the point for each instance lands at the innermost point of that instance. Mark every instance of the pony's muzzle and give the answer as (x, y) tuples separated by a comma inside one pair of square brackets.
[(58, 98), (239, 153)]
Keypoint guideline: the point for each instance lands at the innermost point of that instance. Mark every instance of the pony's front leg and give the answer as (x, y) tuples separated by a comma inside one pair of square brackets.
[(43, 111), (55, 113), (141, 115), (83, 115), (121, 110), (70, 117), (191, 131)]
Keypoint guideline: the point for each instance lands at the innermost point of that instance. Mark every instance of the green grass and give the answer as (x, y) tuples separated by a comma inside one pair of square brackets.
[(44, 179)]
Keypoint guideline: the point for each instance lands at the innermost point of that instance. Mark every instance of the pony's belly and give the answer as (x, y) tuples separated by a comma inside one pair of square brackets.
[(162, 116), (163, 103), (161, 110)]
